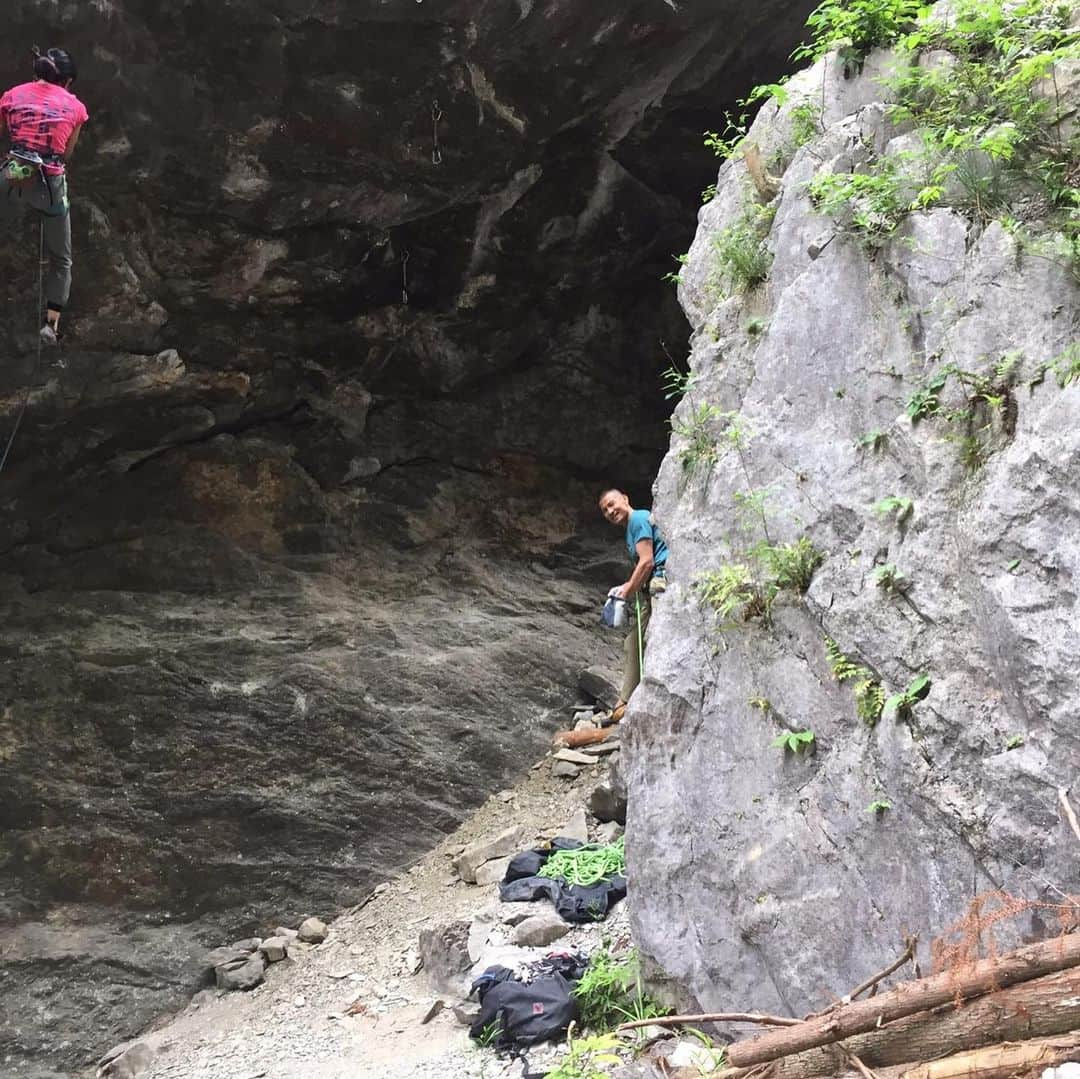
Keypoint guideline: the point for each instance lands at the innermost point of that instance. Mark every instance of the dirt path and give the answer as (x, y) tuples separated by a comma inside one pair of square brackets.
[(297, 1025)]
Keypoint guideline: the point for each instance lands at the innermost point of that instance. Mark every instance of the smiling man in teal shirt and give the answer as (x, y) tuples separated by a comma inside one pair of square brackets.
[(649, 552)]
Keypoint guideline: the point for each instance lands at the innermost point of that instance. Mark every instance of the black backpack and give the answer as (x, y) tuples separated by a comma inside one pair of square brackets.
[(521, 1014)]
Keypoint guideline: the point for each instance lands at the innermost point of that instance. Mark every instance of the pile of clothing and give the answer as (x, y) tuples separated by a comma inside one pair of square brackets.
[(575, 903)]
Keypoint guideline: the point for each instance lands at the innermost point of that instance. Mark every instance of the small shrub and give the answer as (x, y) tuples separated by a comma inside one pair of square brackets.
[(867, 690), (1066, 367), (879, 806), (856, 26), (900, 704), (733, 594), (792, 565), (741, 258), (588, 1058), (926, 401), (896, 506), (676, 383), (872, 440), (1015, 742), (701, 450), (889, 579), (610, 991), (793, 741)]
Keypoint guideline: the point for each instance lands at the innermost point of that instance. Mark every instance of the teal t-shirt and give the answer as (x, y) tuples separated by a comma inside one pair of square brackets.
[(640, 527)]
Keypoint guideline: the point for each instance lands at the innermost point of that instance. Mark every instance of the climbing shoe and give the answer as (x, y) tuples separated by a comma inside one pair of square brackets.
[(49, 336)]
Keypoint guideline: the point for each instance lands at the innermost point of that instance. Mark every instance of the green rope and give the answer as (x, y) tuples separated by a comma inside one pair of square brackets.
[(640, 642), (587, 865)]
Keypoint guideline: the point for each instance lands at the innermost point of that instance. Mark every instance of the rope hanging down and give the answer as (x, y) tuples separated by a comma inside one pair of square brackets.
[(404, 278), (37, 362)]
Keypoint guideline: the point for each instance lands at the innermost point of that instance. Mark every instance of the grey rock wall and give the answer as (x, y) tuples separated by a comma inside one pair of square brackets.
[(761, 879)]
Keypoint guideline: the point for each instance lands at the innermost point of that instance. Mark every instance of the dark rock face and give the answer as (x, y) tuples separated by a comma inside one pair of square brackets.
[(300, 546)]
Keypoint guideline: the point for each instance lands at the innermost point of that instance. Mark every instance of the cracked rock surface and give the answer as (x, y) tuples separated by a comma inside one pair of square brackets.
[(762, 879)]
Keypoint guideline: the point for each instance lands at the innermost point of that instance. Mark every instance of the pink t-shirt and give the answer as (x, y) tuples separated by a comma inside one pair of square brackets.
[(41, 116)]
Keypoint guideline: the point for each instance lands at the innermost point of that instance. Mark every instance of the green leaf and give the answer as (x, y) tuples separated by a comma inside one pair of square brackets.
[(893, 705), (1015, 742), (1014, 564), (918, 688)]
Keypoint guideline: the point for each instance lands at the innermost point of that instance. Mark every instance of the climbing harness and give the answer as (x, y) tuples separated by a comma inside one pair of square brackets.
[(37, 362), (404, 278), (23, 166), (436, 116)]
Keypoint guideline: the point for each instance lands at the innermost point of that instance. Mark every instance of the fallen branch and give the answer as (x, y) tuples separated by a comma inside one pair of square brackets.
[(909, 954), (859, 1066), (1063, 798), (982, 977), (714, 1017)]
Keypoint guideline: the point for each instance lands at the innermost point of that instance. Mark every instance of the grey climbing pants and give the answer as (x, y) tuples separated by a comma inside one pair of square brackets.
[(51, 203)]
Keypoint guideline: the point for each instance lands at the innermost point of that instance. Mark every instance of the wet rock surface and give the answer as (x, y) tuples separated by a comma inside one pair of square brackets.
[(295, 552)]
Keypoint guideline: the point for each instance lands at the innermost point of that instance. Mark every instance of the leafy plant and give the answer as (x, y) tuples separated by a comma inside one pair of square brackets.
[(874, 199), (1066, 367), (869, 696), (793, 741), (611, 991), (889, 579), (1015, 742), (895, 505), (842, 666), (756, 326), (926, 401), (879, 806), (900, 704), (872, 440), (869, 699), (673, 276), (762, 704), (856, 26), (676, 383), (701, 450), (792, 565), (805, 122), (741, 258), (740, 591), (586, 1056), (733, 594)]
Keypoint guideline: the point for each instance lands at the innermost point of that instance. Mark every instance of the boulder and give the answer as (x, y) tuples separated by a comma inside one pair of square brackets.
[(312, 931), (476, 854), (444, 956), (128, 1061), (540, 930), (565, 770), (241, 973), (274, 949), (492, 872), (577, 827), (600, 684)]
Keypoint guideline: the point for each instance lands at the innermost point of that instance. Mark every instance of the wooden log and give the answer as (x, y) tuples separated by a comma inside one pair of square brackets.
[(995, 1061), (982, 977), (1033, 1009)]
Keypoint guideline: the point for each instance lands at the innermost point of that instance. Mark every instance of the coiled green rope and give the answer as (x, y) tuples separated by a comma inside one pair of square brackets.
[(587, 865)]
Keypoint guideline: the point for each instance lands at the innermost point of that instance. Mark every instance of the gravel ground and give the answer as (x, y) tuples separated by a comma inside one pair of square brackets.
[(353, 1006)]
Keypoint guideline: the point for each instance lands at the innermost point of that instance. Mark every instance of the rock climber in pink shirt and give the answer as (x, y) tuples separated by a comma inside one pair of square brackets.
[(42, 119)]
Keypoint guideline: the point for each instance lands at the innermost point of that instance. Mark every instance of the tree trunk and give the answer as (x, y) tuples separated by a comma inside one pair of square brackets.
[(1035, 1009), (977, 979), (995, 1061)]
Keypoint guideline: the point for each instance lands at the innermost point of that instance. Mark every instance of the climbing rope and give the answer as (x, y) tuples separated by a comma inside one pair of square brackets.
[(404, 278), (640, 642), (436, 116), (37, 362)]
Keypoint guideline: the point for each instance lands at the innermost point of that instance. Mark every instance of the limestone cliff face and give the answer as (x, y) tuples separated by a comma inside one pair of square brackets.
[(762, 879)]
